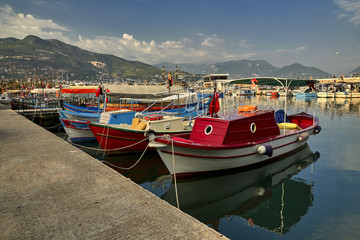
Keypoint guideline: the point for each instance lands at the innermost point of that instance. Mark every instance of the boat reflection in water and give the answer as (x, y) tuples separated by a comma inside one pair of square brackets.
[(266, 197), (146, 169)]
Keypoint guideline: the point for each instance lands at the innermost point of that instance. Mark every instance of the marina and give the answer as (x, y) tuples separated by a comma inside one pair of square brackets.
[(50, 189), (116, 123), (300, 196), (299, 191)]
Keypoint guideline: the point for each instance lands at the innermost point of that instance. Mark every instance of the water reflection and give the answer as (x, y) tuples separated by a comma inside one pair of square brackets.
[(339, 106), (266, 197), (330, 106), (149, 169)]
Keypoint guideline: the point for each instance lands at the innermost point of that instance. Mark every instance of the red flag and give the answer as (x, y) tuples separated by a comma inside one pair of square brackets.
[(214, 104), (98, 92), (253, 82)]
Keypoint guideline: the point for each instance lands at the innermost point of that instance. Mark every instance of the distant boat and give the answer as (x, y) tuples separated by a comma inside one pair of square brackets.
[(283, 94), (272, 93), (306, 95), (325, 94)]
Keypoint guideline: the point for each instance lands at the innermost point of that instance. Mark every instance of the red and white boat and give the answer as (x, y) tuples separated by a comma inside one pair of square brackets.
[(235, 141)]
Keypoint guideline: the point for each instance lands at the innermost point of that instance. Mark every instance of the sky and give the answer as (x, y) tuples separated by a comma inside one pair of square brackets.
[(315, 33)]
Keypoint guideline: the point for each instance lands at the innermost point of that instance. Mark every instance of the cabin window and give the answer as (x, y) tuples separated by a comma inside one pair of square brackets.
[(253, 127), (208, 129)]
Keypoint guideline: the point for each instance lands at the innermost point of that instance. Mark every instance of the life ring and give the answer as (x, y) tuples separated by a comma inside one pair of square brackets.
[(247, 108)]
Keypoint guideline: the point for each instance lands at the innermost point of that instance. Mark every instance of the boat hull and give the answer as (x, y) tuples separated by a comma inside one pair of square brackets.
[(84, 116), (306, 95), (325, 95), (77, 131), (121, 139), (118, 141), (192, 160)]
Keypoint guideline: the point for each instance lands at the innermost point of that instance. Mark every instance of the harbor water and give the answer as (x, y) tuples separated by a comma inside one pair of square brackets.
[(312, 194)]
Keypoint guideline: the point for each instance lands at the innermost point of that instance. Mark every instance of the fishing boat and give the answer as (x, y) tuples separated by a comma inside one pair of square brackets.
[(235, 140), (79, 131), (128, 138), (76, 123), (309, 93), (75, 118)]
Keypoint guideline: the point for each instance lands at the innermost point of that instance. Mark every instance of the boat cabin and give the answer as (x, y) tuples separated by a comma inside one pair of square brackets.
[(235, 129)]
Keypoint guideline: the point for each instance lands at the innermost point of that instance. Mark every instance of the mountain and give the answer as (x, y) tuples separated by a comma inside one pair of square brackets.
[(247, 68), (33, 55), (355, 71)]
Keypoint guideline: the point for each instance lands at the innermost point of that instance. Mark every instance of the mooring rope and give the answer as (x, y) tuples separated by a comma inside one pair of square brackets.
[(106, 138), (173, 162), (99, 148), (108, 150), (128, 168), (36, 103), (53, 126)]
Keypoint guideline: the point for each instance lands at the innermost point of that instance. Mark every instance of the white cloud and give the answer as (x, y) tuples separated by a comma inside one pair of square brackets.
[(199, 49), (351, 10), (212, 41), (290, 51), (20, 25), (128, 47), (245, 44), (341, 227)]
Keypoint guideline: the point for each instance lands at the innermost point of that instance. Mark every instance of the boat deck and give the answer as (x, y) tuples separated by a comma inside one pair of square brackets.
[(50, 189)]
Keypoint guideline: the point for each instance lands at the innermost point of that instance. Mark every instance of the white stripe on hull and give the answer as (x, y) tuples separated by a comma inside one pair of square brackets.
[(209, 162), (77, 117), (74, 133)]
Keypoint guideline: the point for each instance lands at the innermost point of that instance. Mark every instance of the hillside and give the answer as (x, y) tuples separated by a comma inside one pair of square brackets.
[(247, 68), (33, 55)]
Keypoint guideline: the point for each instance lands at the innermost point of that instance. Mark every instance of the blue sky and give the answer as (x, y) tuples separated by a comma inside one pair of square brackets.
[(282, 32)]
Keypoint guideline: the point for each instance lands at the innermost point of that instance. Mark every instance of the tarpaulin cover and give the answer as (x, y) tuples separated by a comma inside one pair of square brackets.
[(80, 90)]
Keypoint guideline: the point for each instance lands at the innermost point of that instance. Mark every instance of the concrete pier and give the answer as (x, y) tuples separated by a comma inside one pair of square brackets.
[(50, 189)]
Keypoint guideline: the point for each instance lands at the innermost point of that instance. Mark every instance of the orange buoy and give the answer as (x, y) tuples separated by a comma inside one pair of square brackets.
[(247, 108)]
